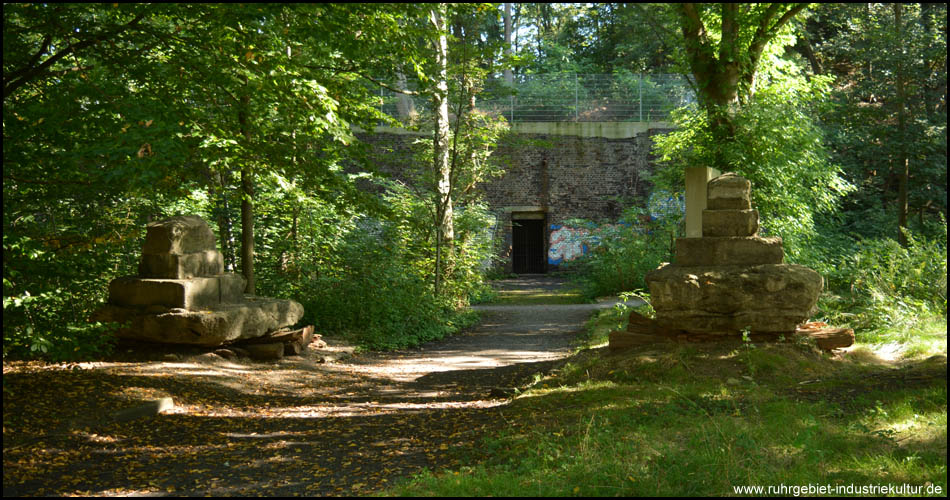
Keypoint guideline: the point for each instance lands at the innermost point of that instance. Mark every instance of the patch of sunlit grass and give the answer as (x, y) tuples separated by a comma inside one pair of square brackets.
[(539, 297)]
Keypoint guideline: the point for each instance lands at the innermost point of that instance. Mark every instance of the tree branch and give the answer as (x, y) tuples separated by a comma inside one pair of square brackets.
[(730, 33), (694, 23), (23, 75), (764, 33), (363, 75)]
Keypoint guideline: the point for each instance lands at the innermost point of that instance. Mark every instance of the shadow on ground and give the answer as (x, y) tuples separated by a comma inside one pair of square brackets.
[(296, 427)]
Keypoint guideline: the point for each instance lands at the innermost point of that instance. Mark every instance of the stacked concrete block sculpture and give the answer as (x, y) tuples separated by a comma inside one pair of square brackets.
[(183, 296), (731, 279)]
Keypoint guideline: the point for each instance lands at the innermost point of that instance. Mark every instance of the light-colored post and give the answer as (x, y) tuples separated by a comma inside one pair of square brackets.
[(696, 180)]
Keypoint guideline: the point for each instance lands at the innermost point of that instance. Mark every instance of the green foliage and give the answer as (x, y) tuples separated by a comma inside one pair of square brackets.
[(620, 255), (379, 290), (44, 314), (155, 111), (863, 50), (778, 146), (876, 284)]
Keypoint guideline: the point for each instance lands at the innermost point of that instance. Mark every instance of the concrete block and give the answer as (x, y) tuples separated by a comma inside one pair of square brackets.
[(178, 235), (215, 326), (730, 222), (725, 251), (729, 192), (181, 266), (697, 179), (191, 294)]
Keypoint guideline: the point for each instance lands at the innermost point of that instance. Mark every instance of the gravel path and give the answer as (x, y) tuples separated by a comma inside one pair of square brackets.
[(301, 426), (507, 335)]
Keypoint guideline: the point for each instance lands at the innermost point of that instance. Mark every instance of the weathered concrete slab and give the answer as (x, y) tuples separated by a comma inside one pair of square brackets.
[(181, 266), (726, 299), (221, 324), (178, 235), (729, 192), (192, 294), (730, 223), (724, 251)]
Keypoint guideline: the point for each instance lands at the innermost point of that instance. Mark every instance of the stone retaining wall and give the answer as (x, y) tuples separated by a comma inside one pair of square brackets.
[(562, 177)]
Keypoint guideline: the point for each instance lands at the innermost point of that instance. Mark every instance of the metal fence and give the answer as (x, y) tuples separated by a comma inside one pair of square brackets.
[(572, 97)]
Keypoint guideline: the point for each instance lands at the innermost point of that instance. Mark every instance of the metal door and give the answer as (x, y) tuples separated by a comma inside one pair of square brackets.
[(527, 241)]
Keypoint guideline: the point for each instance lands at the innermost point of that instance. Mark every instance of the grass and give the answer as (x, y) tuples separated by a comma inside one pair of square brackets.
[(539, 296), (699, 420)]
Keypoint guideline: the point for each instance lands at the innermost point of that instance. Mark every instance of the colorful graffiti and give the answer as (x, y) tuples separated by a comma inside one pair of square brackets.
[(662, 205), (567, 243)]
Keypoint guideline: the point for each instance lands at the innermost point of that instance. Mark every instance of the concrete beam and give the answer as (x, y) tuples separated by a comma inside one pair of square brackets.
[(696, 179), (608, 130)]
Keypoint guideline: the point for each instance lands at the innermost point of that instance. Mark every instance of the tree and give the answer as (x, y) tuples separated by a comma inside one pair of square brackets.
[(756, 116), (725, 70), (445, 231), (889, 110), (118, 113)]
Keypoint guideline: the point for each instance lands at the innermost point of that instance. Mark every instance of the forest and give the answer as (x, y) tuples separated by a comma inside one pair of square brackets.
[(251, 116)]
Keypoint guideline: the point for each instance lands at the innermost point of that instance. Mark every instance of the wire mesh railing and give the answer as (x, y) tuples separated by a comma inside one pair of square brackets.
[(569, 97)]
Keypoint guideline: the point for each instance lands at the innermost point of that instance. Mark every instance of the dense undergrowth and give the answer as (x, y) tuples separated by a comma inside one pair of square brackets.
[(872, 283)]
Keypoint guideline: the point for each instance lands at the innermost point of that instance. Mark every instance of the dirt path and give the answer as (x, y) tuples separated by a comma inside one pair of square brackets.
[(297, 427)]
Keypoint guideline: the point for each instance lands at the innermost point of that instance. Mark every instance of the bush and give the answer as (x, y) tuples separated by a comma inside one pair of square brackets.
[(45, 312), (622, 254), (370, 277), (875, 283)]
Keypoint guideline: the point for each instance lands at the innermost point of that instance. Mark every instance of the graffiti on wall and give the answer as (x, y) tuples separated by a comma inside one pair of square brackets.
[(567, 243)]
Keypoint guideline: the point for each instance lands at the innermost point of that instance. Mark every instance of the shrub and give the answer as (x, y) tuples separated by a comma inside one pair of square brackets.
[(44, 312), (876, 283), (622, 254)]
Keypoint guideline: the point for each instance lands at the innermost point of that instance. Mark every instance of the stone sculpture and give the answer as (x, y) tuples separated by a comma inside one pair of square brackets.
[(183, 296), (731, 279)]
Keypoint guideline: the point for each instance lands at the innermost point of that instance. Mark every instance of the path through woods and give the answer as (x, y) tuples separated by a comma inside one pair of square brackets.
[(296, 427)]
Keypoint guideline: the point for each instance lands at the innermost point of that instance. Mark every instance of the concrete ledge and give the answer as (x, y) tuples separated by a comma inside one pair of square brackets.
[(609, 130), (522, 208)]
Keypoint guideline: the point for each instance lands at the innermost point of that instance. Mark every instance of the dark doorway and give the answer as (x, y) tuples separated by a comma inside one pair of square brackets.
[(527, 242)]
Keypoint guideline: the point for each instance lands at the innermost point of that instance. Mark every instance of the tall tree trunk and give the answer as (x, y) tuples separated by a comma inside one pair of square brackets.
[(223, 218), (247, 229), (247, 203), (445, 232), (903, 164), (509, 77)]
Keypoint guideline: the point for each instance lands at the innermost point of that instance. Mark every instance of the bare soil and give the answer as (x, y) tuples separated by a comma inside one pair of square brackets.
[(328, 422)]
